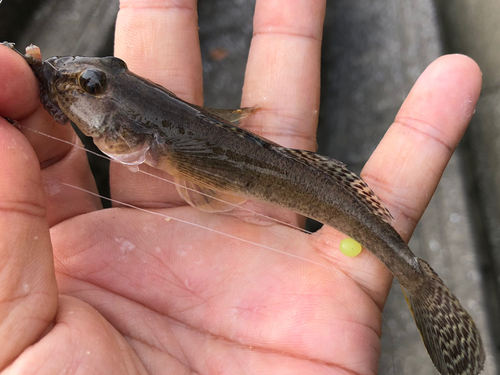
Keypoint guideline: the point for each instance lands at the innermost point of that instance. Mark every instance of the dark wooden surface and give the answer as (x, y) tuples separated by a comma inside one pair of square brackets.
[(372, 54)]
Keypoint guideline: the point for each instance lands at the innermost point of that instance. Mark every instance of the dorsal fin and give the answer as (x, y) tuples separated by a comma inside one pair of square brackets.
[(231, 115), (349, 180)]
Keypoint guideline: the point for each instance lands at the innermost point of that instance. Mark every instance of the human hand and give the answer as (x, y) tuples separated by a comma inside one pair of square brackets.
[(123, 291)]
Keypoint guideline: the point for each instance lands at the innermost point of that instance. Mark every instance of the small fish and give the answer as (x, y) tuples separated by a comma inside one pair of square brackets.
[(134, 121)]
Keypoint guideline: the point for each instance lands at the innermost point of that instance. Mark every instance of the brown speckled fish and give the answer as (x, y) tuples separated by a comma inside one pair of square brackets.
[(134, 120)]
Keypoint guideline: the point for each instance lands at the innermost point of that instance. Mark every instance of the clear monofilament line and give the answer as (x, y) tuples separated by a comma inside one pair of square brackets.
[(197, 226), (168, 181), (173, 218)]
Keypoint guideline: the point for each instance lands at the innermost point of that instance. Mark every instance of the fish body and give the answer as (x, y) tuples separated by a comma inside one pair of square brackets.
[(155, 126), (135, 120)]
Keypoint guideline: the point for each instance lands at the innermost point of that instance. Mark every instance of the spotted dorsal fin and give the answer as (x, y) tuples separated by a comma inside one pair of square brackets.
[(349, 180)]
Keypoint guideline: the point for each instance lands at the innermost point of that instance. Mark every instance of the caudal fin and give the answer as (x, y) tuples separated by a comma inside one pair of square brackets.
[(449, 333)]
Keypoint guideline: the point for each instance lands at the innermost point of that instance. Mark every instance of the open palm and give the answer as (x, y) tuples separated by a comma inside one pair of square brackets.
[(121, 290)]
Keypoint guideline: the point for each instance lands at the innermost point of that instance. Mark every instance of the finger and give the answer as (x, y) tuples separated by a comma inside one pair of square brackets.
[(283, 78), (60, 161), (408, 163), (283, 71), (24, 86), (28, 290), (99, 348), (158, 40), (406, 167)]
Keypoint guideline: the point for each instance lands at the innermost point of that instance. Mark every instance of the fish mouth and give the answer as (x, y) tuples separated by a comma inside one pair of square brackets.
[(48, 74)]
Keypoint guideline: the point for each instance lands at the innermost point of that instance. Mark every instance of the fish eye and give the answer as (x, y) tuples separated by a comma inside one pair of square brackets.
[(92, 81)]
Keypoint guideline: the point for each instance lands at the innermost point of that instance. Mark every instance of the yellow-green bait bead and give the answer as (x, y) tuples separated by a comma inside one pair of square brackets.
[(350, 247)]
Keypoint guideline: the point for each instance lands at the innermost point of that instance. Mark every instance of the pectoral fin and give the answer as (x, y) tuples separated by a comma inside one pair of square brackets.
[(206, 199)]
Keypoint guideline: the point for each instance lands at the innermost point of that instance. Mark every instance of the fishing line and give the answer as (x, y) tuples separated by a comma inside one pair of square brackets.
[(177, 219), (168, 217), (196, 225), (167, 180), (215, 231), (386, 323)]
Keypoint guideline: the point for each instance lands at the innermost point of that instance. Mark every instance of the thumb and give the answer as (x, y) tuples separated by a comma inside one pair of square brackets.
[(28, 290)]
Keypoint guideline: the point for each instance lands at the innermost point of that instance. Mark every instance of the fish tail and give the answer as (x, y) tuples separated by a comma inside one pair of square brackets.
[(449, 333)]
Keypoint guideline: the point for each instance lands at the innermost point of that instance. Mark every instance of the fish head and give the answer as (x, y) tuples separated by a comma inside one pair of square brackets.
[(83, 90), (79, 87)]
